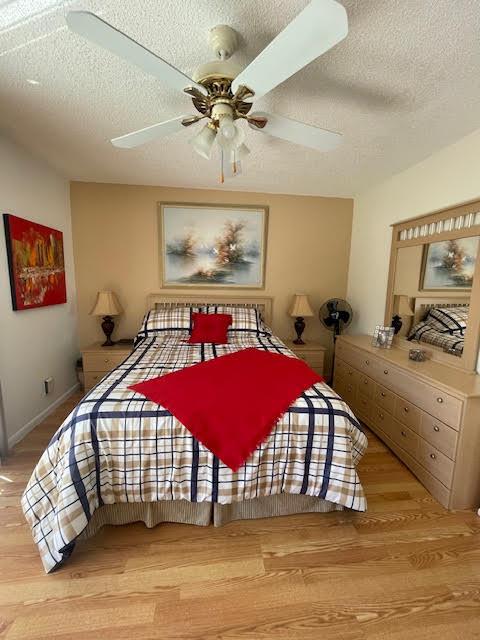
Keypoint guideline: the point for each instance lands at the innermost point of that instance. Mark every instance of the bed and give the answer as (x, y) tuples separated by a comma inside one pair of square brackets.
[(120, 458), (441, 322)]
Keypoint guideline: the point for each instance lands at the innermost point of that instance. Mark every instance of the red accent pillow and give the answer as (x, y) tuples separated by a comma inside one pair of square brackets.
[(210, 327)]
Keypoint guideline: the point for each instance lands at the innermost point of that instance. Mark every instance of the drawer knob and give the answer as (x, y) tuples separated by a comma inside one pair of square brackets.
[(365, 382), (367, 361), (435, 428), (349, 388), (406, 409), (382, 394), (385, 371), (433, 456), (440, 400), (107, 360), (404, 434), (381, 416), (350, 373)]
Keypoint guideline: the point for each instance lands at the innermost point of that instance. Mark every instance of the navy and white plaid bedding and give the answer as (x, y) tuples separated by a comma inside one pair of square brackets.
[(117, 446), (443, 327)]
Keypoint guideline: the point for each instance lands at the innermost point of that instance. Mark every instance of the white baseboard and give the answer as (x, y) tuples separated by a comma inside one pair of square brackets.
[(31, 424)]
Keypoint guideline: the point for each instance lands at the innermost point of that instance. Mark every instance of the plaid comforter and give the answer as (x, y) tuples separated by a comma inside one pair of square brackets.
[(118, 447)]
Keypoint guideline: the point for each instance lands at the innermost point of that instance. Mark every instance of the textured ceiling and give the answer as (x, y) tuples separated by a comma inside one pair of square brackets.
[(403, 84)]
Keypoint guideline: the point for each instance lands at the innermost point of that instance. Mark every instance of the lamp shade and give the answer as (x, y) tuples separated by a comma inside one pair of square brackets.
[(300, 306), (203, 141), (107, 304), (402, 306)]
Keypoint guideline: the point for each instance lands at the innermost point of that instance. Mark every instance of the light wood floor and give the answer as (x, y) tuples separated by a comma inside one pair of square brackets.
[(406, 569)]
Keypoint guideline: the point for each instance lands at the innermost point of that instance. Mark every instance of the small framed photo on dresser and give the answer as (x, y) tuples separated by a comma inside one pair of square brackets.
[(383, 337)]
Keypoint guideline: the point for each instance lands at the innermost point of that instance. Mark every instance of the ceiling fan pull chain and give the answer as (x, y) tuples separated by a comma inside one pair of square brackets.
[(222, 177)]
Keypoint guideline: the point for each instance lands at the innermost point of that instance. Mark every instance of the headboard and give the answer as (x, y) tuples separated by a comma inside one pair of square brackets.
[(422, 305), (164, 300)]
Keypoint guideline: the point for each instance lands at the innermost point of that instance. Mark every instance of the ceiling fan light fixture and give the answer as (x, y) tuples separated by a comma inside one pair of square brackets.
[(203, 141), (227, 127), (231, 143)]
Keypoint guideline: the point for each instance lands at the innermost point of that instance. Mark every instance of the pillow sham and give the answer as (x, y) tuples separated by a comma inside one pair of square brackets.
[(244, 319), (174, 321), (210, 327)]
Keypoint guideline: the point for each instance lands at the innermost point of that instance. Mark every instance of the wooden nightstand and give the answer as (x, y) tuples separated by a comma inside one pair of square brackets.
[(313, 353), (98, 360)]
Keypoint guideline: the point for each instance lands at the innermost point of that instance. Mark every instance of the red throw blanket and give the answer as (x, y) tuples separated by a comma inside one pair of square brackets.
[(231, 403)]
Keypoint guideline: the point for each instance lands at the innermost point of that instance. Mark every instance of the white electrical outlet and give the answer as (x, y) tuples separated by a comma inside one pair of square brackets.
[(48, 385)]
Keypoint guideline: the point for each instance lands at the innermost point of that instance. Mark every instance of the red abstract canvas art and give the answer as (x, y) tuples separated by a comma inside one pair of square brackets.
[(35, 262)]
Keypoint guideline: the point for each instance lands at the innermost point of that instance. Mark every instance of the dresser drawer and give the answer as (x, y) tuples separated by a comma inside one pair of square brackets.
[(365, 385), (92, 378), (363, 406), (344, 370), (384, 398), (101, 362), (407, 413), (362, 361), (441, 436), (405, 437), (348, 393), (382, 419), (435, 462)]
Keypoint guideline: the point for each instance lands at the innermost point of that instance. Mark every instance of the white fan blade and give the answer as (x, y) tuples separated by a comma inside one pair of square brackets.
[(319, 27), (136, 138), (298, 132), (96, 30)]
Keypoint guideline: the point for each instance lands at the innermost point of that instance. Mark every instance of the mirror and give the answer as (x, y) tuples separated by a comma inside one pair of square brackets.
[(433, 297), (431, 293)]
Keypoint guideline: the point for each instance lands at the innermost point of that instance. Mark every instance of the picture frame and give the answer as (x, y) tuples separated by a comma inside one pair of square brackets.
[(212, 246), (35, 263), (449, 265), (383, 337)]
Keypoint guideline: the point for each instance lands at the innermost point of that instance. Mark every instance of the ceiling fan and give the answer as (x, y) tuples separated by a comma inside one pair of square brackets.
[(221, 92)]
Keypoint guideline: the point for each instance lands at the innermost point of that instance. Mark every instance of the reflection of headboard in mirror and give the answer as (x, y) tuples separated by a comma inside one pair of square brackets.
[(415, 235), (423, 305)]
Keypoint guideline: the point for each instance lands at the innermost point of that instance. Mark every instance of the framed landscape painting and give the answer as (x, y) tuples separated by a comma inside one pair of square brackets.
[(35, 263), (449, 265), (206, 245)]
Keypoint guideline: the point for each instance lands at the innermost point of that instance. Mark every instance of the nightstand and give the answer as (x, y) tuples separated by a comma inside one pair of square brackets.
[(313, 353), (98, 360)]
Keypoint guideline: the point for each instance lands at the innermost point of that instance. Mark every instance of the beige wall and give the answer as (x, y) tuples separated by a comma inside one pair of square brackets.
[(449, 177), (116, 247), (35, 343)]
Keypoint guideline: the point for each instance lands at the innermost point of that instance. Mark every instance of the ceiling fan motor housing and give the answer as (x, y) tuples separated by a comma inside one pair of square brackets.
[(223, 40)]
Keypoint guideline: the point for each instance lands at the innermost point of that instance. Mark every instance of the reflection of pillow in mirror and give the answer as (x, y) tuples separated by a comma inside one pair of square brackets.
[(448, 319)]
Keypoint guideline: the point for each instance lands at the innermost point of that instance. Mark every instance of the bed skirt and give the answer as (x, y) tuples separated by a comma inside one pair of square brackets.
[(204, 513)]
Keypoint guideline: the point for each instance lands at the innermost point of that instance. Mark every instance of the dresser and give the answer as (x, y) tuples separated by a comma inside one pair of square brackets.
[(428, 413), (98, 360), (313, 353)]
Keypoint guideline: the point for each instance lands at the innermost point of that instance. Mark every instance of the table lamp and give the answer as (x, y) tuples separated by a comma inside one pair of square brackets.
[(300, 309), (107, 305)]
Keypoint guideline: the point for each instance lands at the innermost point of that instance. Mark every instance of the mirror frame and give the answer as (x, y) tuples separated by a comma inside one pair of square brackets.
[(447, 224)]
